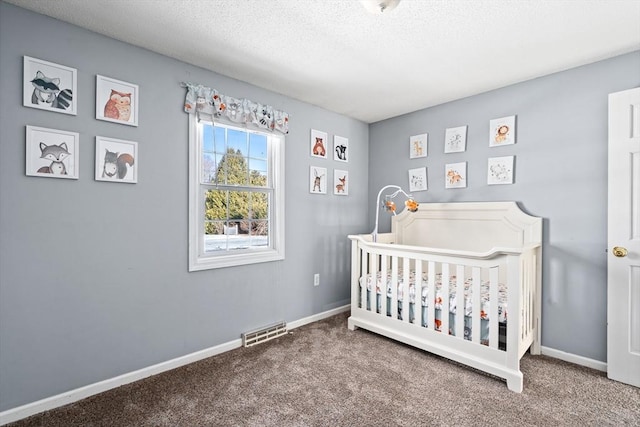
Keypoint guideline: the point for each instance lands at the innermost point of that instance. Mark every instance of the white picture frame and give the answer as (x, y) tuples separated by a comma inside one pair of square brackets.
[(117, 101), (317, 180), (455, 140), (49, 86), (319, 143), (52, 153), (502, 131), (500, 170), (455, 175), (418, 145), (340, 182), (340, 149), (417, 179), (117, 160)]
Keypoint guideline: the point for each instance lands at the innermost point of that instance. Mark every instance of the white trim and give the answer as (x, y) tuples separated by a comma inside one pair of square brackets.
[(317, 317), (574, 358), (71, 396)]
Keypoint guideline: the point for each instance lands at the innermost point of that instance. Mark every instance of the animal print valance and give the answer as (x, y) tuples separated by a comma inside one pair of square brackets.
[(205, 100)]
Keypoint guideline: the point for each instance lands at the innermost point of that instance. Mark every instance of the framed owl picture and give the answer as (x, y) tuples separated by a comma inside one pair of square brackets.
[(116, 101)]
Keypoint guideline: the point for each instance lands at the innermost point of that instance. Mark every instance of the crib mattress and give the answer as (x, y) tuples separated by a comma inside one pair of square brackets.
[(485, 302)]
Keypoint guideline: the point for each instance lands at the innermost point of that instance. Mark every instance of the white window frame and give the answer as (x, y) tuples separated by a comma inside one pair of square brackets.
[(198, 260)]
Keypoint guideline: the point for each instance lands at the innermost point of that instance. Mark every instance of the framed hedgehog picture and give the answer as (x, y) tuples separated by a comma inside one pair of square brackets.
[(49, 86), (52, 153), (116, 101), (116, 160)]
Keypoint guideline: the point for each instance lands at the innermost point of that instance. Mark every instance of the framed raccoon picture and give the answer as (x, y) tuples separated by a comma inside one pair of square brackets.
[(52, 153), (116, 101), (116, 160), (49, 86)]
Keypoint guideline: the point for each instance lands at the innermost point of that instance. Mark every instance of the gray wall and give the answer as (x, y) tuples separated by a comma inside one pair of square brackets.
[(560, 175), (93, 275)]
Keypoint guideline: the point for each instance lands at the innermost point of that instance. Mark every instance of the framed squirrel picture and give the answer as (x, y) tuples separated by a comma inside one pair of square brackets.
[(49, 86), (116, 160), (52, 153)]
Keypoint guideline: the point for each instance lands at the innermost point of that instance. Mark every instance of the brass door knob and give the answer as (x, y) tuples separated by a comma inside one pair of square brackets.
[(619, 251)]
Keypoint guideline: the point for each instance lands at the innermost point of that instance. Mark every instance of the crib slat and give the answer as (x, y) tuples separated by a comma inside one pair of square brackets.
[(444, 312), (406, 270), (363, 289), (381, 300), (476, 304), (394, 289), (431, 294), (460, 309), (417, 294), (493, 307)]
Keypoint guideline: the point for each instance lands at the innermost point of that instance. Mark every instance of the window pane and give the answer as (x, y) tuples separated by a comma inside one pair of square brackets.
[(237, 142), (259, 206), (258, 146), (215, 205), (237, 171), (208, 168)]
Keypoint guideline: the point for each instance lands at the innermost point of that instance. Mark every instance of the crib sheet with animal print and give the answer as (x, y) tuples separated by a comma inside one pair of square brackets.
[(438, 300)]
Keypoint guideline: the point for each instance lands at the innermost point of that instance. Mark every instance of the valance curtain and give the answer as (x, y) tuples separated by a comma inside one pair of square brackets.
[(205, 100)]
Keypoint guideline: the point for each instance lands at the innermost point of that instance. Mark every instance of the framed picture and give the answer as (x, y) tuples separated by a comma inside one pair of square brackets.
[(455, 140), (417, 179), (340, 149), (340, 182), (455, 175), (318, 144), (418, 146), (502, 131), (116, 101), (52, 153), (318, 180), (116, 160), (49, 86), (500, 170)]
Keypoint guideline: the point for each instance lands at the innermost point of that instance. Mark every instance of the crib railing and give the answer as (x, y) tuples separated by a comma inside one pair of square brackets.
[(514, 267)]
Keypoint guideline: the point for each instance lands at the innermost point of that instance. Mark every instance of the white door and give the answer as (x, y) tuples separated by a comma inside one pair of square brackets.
[(623, 255)]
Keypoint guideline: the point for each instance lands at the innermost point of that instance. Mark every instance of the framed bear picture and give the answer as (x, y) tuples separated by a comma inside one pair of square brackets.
[(318, 144), (116, 101)]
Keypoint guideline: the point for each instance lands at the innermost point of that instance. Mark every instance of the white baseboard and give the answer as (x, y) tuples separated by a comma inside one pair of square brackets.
[(573, 358), (71, 396)]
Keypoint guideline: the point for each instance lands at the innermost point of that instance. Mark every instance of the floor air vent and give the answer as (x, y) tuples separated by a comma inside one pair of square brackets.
[(264, 334)]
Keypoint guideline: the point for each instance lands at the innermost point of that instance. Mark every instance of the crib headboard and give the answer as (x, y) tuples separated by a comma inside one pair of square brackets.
[(476, 226)]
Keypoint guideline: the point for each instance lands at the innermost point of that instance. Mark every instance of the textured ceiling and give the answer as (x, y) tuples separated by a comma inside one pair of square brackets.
[(334, 54)]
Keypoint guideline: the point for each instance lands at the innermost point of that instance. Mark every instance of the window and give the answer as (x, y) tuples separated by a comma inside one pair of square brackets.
[(236, 195)]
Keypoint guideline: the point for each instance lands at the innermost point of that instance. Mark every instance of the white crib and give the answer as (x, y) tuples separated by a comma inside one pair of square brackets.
[(495, 247)]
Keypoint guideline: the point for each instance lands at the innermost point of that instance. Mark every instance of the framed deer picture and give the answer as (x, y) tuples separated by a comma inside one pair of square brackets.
[(340, 182)]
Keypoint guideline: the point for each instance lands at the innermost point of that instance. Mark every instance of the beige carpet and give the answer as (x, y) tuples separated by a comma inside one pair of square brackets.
[(322, 374)]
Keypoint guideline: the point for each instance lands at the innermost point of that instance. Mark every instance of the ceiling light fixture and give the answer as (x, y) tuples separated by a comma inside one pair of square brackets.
[(379, 6)]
